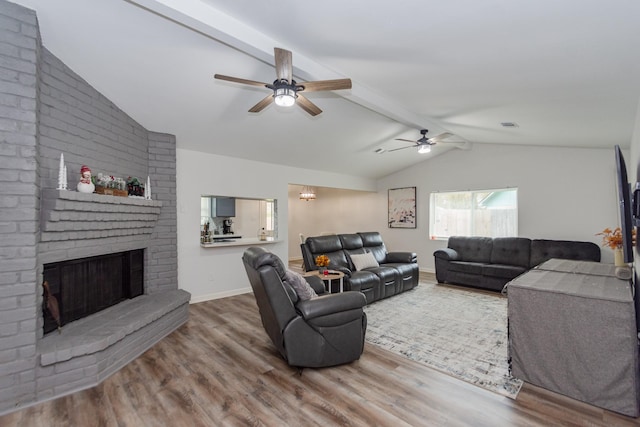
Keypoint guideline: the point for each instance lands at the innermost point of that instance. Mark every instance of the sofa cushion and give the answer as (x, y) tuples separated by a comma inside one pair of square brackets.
[(466, 267), (350, 241), (363, 280), (410, 269), (503, 271), (371, 238), (474, 249), (372, 242), (511, 251), (543, 250), (362, 261), (324, 244)]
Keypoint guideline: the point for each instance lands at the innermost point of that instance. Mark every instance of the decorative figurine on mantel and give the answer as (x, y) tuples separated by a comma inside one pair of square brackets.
[(62, 174), (85, 185)]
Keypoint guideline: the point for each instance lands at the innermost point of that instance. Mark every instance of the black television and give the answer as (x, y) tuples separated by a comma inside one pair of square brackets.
[(625, 206)]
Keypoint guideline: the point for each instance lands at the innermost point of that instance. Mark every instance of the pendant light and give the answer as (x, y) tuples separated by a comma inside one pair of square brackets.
[(307, 193)]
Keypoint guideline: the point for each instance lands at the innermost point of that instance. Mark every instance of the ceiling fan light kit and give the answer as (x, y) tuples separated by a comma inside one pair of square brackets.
[(284, 96), (424, 149), (285, 89)]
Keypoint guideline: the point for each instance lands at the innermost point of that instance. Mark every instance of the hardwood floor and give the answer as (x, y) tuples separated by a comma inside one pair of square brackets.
[(220, 369)]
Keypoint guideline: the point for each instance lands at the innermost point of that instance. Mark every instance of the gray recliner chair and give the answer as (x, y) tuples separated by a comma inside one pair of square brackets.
[(324, 331)]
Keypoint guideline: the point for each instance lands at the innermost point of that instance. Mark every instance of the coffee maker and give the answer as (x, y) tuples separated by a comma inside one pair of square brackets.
[(226, 226)]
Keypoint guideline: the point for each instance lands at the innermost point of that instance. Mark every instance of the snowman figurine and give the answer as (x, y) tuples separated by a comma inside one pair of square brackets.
[(85, 185)]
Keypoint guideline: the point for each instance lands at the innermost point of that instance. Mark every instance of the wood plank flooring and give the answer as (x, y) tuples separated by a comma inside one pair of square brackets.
[(220, 369)]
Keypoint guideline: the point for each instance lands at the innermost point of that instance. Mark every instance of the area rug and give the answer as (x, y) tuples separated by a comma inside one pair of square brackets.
[(457, 331)]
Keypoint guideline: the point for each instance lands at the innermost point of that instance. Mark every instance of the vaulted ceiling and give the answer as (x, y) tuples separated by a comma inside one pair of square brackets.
[(567, 73)]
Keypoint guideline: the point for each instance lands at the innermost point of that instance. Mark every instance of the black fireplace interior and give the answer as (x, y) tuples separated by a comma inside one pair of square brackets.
[(85, 286)]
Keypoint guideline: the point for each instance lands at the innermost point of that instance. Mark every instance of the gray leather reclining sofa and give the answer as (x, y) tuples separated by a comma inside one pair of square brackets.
[(490, 263), (397, 271)]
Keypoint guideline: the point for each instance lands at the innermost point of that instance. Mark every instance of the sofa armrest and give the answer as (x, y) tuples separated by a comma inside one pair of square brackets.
[(331, 304), (447, 254), (316, 283), (405, 257), (345, 270)]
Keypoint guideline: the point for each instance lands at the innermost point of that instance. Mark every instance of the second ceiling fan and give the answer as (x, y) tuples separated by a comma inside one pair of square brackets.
[(286, 91), (424, 144)]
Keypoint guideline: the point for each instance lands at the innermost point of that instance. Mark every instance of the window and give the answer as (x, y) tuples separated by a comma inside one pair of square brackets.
[(268, 220), (488, 213)]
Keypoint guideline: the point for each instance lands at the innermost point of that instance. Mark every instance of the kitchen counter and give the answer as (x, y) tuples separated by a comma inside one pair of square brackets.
[(245, 241)]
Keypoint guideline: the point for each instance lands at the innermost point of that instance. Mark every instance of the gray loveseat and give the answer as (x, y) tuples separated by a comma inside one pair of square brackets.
[(489, 263)]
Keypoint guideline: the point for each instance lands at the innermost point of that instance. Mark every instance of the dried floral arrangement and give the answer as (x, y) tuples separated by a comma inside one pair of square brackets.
[(322, 261), (613, 238)]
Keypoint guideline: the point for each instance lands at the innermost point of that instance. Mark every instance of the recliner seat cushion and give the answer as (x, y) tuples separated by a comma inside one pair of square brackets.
[(364, 279), (408, 269)]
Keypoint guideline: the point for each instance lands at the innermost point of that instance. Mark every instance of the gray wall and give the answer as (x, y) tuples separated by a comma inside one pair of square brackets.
[(563, 193)]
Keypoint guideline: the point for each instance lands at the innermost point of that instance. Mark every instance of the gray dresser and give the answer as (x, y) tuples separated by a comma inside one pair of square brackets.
[(572, 330)]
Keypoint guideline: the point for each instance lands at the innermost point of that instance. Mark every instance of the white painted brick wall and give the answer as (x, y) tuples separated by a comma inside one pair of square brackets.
[(19, 207), (46, 109)]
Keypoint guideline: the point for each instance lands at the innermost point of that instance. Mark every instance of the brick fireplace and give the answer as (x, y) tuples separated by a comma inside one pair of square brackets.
[(46, 110), (78, 288)]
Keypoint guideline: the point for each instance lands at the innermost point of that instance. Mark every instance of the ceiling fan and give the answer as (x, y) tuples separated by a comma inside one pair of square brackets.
[(286, 91), (424, 144)]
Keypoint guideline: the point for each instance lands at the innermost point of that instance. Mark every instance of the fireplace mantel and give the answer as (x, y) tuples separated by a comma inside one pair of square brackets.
[(71, 215), (76, 225)]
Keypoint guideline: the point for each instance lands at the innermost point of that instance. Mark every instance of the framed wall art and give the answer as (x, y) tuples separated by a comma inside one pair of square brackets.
[(402, 207)]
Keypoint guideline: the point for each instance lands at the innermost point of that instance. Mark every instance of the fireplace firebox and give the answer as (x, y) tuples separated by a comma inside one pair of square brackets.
[(85, 286)]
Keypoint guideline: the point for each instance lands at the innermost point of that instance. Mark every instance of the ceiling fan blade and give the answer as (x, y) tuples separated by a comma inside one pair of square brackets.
[(307, 105), (326, 85), (441, 137), (262, 104), (284, 64), (406, 140), (238, 80), (402, 148)]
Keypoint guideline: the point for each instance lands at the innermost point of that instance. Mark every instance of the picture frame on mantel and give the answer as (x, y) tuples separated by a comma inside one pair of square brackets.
[(402, 207)]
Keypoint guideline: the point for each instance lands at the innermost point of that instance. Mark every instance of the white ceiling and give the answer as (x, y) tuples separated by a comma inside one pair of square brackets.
[(567, 72)]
